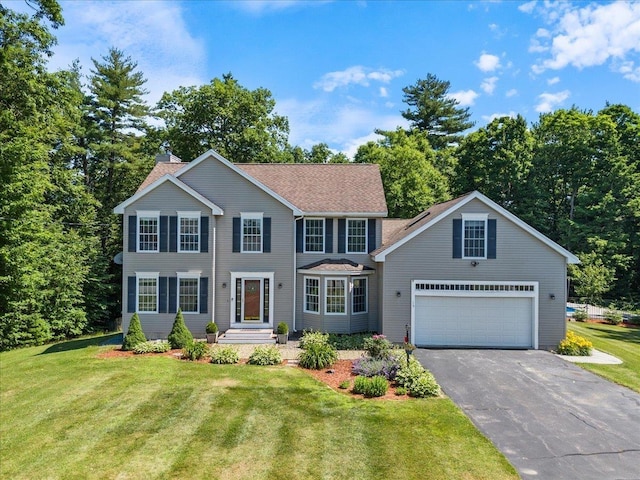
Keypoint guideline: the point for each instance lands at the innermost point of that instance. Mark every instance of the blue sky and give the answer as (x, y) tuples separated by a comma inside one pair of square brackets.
[(337, 68)]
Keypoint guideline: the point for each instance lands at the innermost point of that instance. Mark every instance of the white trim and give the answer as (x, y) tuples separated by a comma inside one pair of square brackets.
[(352, 273), (215, 210), (147, 275), (366, 235), (475, 217), (212, 153), (458, 288), (346, 293), (190, 275), (366, 296), (148, 214), (304, 234), (232, 297), (188, 214), (304, 295), (570, 257), (251, 216)]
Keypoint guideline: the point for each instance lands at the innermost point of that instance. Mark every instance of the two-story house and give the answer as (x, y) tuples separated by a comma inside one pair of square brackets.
[(251, 245)]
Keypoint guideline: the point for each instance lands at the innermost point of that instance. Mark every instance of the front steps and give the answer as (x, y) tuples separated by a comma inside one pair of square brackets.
[(247, 335)]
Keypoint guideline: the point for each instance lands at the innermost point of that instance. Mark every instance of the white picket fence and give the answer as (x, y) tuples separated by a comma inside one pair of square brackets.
[(592, 310)]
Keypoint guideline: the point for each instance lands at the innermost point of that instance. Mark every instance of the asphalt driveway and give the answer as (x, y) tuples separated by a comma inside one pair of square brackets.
[(550, 418)]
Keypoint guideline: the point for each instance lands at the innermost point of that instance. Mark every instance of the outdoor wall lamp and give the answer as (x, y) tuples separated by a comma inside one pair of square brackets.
[(398, 294), (280, 285), (474, 263), (552, 296), (224, 284)]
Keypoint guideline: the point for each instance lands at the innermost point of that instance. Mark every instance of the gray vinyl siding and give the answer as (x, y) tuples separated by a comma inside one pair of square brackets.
[(428, 256), (234, 194), (168, 199)]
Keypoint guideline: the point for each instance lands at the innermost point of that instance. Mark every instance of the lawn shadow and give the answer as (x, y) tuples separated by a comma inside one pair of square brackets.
[(110, 339), (622, 334)]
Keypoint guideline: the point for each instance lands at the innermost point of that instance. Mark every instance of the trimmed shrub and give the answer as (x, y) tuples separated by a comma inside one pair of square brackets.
[(211, 328), (195, 351), (135, 335), (265, 355), (152, 347), (417, 381), (180, 336), (317, 356), (378, 346), (282, 328), (575, 345), (370, 387), (371, 367), (224, 355), (612, 317), (580, 315), (309, 337)]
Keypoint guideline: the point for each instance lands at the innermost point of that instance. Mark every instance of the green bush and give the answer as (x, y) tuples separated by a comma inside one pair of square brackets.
[(580, 315), (360, 385), (317, 356), (195, 350), (224, 355), (401, 391), (378, 346), (417, 381), (309, 337), (180, 336), (135, 335), (282, 328), (370, 387), (353, 341), (152, 347), (634, 319), (613, 317), (575, 345), (345, 384), (211, 328), (265, 355)]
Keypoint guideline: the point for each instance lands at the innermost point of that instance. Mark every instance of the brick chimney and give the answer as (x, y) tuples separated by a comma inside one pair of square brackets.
[(167, 157)]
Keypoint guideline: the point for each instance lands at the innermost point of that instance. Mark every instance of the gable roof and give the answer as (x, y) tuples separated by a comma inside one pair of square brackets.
[(159, 170), (215, 210), (433, 215)]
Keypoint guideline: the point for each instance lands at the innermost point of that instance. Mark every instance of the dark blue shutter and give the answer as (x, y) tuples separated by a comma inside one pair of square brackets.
[(162, 295), (133, 233), (131, 294), (204, 295), (342, 235), (300, 235), (236, 234), (266, 235), (164, 233), (328, 235), (173, 234), (457, 238), (173, 295), (204, 234), (371, 235), (491, 237)]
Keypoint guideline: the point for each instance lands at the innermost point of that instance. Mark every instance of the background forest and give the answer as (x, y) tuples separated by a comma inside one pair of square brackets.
[(74, 145)]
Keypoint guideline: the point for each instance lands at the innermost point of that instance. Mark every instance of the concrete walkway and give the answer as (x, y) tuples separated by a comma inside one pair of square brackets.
[(550, 418), (596, 356)]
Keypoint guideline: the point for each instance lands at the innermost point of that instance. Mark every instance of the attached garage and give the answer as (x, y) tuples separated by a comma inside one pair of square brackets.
[(474, 314)]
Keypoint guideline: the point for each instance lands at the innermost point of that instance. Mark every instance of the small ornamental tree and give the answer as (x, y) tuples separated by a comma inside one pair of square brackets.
[(180, 335), (135, 335)]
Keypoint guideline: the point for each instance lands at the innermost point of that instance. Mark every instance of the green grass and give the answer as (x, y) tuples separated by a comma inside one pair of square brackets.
[(67, 414), (621, 342)]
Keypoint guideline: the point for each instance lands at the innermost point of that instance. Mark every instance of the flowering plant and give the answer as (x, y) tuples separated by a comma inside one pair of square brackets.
[(378, 346)]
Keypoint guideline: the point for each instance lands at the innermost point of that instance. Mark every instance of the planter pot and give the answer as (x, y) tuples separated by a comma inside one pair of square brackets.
[(283, 338), (212, 337)]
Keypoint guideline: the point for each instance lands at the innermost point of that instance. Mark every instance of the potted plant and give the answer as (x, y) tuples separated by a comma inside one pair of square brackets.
[(282, 331), (212, 332), (408, 348)]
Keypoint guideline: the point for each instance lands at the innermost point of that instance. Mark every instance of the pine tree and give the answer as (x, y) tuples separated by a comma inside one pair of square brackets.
[(180, 335), (135, 335)]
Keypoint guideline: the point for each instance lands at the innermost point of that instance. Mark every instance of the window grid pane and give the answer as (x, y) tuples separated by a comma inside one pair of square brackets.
[(357, 236), (474, 238), (312, 295), (188, 295), (189, 234), (265, 291), (314, 235), (148, 234), (251, 235), (147, 295), (359, 295), (335, 296)]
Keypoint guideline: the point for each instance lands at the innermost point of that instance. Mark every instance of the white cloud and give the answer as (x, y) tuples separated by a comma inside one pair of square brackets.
[(589, 36), (553, 81), (489, 85), (548, 101), (260, 6), (493, 116), (464, 97), (488, 62), (528, 7), (383, 92), (152, 33), (357, 75), (511, 93), (630, 71)]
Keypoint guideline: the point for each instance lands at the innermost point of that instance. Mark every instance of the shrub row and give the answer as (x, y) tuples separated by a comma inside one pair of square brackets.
[(575, 345), (152, 347)]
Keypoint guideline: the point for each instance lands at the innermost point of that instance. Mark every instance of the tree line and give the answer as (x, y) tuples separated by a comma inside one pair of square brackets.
[(74, 145)]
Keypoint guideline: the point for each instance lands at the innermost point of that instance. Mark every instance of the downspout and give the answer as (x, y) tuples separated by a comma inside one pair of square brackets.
[(295, 269), (213, 272)]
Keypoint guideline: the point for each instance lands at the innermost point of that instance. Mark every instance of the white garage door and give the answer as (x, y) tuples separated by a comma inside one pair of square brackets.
[(475, 315)]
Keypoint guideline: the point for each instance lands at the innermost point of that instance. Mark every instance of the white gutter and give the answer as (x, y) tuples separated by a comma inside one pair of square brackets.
[(213, 276), (295, 269)]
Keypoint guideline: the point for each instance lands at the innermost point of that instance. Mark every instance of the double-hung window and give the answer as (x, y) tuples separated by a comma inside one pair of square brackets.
[(312, 294), (314, 235), (148, 231), (474, 236), (356, 235), (359, 295), (251, 232), (147, 292), (335, 290), (188, 231), (188, 292)]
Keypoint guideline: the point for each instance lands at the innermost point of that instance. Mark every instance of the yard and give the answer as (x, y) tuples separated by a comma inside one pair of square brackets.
[(67, 414), (622, 342)]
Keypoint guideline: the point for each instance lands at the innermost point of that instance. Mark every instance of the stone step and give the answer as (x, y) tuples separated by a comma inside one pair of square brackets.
[(254, 336), (256, 341)]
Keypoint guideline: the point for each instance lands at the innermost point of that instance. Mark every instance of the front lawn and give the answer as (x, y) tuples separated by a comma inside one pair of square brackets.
[(621, 342), (67, 414)]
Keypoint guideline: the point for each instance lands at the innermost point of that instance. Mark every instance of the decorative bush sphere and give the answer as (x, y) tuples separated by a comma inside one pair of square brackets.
[(211, 328), (282, 328)]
